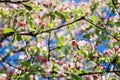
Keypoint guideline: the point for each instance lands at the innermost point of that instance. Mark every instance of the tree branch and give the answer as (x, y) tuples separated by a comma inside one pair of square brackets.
[(5, 61), (16, 2), (49, 46), (91, 73), (102, 29), (46, 31), (115, 7), (63, 25)]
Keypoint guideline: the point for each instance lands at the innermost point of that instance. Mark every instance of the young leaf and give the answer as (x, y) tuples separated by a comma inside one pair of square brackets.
[(94, 18), (75, 77), (27, 7), (7, 30), (19, 37), (66, 51), (60, 15)]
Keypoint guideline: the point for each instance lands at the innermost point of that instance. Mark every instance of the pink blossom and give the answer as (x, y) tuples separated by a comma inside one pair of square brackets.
[(116, 48), (32, 43), (22, 24), (1, 34), (41, 58), (87, 77), (108, 52), (74, 42), (3, 76), (0, 45), (61, 62), (95, 76)]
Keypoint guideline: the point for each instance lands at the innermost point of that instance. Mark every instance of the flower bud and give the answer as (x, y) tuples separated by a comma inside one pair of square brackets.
[(1, 34), (74, 42), (22, 24)]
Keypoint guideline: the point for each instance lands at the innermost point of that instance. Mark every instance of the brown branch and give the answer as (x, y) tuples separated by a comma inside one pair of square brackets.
[(11, 33), (115, 7), (55, 48), (5, 61), (102, 29), (46, 31), (16, 2), (91, 73), (63, 25), (19, 50), (3, 58), (49, 46)]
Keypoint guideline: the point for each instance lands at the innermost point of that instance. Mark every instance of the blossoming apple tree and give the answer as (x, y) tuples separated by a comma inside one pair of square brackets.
[(64, 40)]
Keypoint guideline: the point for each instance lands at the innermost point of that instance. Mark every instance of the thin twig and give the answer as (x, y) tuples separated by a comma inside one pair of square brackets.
[(115, 7), (102, 29), (91, 73), (5, 61), (49, 46)]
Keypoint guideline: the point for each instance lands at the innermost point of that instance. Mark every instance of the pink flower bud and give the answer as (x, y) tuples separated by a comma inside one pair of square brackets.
[(102, 67), (44, 60), (74, 42), (9, 78), (102, 25), (10, 73), (116, 48), (87, 77), (15, 21), (42, 24), (50, 4), (45, 5), (61, 75), (1, 34), (95, 77), (41, 58), (0, 45), (22, 24), (108, 52), (61, 62)]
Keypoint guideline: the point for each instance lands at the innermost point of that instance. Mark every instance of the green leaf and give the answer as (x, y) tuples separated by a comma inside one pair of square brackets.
[(60, 15), (75, 77), (117, 23), (25, 63), (19, 37), (53, 16), (7, 30), (62, 39), (59, 49), (103, 37), (46, 15), (32, 25), (27, 7), (37, 8), (81, 71), (89, 28), (15, 77), (66, 51), (13, 39), (86, 53), (94, 18), (97, 31), (50, 25)]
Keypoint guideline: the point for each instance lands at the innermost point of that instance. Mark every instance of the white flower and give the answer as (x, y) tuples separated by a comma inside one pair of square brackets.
[(3, 76), (21, 57), (82, 43)]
